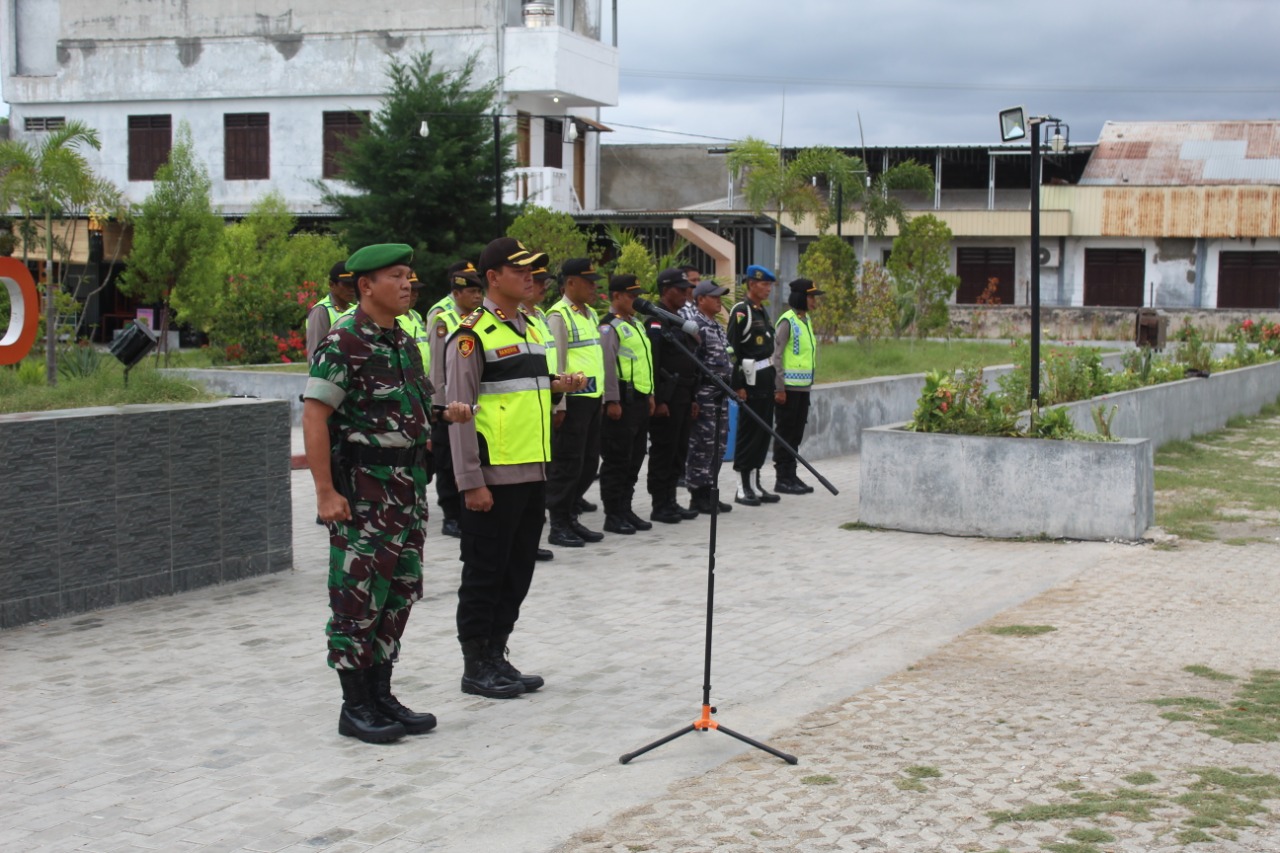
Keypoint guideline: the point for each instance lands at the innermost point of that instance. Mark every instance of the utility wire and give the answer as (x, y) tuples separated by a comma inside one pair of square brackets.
[(726, 77), (672, 132)]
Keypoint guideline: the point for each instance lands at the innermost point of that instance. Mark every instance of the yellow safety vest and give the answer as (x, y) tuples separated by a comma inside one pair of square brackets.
[(800, 355), (539, 321), (413, 327), (585, 355), (635, 355), (514, 418), (334, 313)]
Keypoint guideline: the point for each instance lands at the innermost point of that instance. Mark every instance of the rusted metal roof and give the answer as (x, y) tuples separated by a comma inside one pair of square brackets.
[(1185, 153)]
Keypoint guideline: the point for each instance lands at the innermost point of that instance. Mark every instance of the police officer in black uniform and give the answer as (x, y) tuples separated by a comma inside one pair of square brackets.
[(750, 336), (675, 378)]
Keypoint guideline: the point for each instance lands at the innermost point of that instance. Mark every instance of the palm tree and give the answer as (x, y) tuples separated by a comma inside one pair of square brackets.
[(45, 181)]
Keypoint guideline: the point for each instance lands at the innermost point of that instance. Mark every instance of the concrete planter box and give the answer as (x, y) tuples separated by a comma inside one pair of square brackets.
[(1006, 487), (264, 383), (109, 505)]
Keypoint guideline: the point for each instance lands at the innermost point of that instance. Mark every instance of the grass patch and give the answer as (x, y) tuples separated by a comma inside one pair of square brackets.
[(820, 779), (852, 360), (1208, 672), (1252, 715), (858, 525), (1021, 630), (1220, 478), (1139, 779), (23, 389), (1221, 801), (915, 775)]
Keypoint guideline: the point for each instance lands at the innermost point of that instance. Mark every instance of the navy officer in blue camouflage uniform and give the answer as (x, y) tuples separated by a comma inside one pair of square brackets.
[(706, 446)]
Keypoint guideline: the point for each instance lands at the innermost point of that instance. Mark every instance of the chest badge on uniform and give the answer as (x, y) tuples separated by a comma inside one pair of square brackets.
[(759, 339), (466, 346)]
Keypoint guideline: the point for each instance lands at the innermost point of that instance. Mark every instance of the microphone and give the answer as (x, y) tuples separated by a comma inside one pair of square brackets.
[(644, 306)]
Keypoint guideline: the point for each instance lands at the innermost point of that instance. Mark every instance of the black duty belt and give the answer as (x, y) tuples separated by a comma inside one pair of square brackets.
[(400, 457)]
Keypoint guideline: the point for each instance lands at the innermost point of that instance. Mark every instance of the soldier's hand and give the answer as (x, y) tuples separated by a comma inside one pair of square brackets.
[(742, 394), (479, 499), (457, 413), (651, 406), (693, 411), (332, 506), (613, 410), (557, 420), (661, 411), (780, 397)]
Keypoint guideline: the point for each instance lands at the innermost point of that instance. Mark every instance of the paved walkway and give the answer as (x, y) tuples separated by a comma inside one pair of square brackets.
[(207, 721)]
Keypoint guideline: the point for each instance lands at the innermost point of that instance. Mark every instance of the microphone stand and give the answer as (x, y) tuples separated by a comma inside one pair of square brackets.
[(704, 722)]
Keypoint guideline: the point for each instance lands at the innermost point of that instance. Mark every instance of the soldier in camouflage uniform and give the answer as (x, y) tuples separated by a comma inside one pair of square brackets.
[(706, 448), (365, 421)]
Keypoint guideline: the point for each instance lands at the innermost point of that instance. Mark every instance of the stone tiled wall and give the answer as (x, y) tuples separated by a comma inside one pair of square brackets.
[(105, 506)]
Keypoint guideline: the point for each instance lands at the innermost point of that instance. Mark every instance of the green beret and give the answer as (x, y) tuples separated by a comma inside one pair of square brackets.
[(379, 256)]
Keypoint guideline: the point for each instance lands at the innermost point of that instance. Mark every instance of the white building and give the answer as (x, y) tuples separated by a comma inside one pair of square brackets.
[(270, 88)]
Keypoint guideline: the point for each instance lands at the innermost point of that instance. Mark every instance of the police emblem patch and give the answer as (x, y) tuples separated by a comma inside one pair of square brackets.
[(466, 346)]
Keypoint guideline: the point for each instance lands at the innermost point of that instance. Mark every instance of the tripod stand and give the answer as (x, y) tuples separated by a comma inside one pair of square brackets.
[(704, 722)]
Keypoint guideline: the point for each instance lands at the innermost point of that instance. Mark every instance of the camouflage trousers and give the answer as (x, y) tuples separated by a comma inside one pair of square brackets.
[(705, 448), (375, 576)]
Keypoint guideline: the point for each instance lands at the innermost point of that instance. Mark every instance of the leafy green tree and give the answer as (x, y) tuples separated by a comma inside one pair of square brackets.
[(46, 181), (557, 234), (876, 311), (920, 265), (832, 265), (434, 193), (176, 236)]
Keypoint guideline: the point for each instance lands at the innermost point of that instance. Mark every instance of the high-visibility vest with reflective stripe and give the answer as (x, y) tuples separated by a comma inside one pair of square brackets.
[(635, 355), (800, 354), (446, 309), (413, 327), (539, 321), (585, 355), (334, 313), (514, 418)]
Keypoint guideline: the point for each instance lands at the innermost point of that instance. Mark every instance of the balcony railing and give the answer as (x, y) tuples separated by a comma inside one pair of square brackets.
[(545, 187)]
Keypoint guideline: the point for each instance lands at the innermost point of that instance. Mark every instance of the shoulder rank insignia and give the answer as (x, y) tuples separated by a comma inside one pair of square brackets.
[(501, 314), (466, 346), (474, 317)]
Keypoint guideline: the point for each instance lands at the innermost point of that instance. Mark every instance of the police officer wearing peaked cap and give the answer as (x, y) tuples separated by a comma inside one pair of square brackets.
[(496, 360), (795, 355), (750, 334), (341, 297), (365, 424)]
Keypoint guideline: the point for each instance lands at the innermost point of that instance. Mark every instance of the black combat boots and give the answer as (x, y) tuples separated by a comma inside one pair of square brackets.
[(481, 677), (636, 521), (563, 535), (498, 656), (389, 706), (746, 495), (360, 718), (765, 497)]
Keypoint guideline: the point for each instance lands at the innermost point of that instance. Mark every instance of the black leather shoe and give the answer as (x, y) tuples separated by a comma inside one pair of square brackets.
[(359, 717), (543, 555), (391, 708), (636, 521), (804, 487), (481, 678), (788, 487), (724, 507), (701, 501), (746, 495), (765, 497), (667, 514), (451, 528), (584, 505), (618, 524), (585, 534), (687, 513), (564, 536)]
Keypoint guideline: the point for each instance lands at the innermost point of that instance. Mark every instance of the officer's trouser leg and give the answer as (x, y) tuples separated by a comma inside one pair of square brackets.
[(752, 444), (568, 445), (637, 413), (590, 452), (791, 419), (375, 574), (622, 454), (498, 556), (447, 495), (668, 441)]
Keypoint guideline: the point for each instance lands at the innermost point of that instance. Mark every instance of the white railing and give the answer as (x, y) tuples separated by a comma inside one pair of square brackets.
[(545, 187)]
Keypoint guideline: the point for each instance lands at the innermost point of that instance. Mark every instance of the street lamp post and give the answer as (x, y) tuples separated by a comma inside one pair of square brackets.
[(1014, 125)]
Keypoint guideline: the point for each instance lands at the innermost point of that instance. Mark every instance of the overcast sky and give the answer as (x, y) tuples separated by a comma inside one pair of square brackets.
[(936, 71)]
